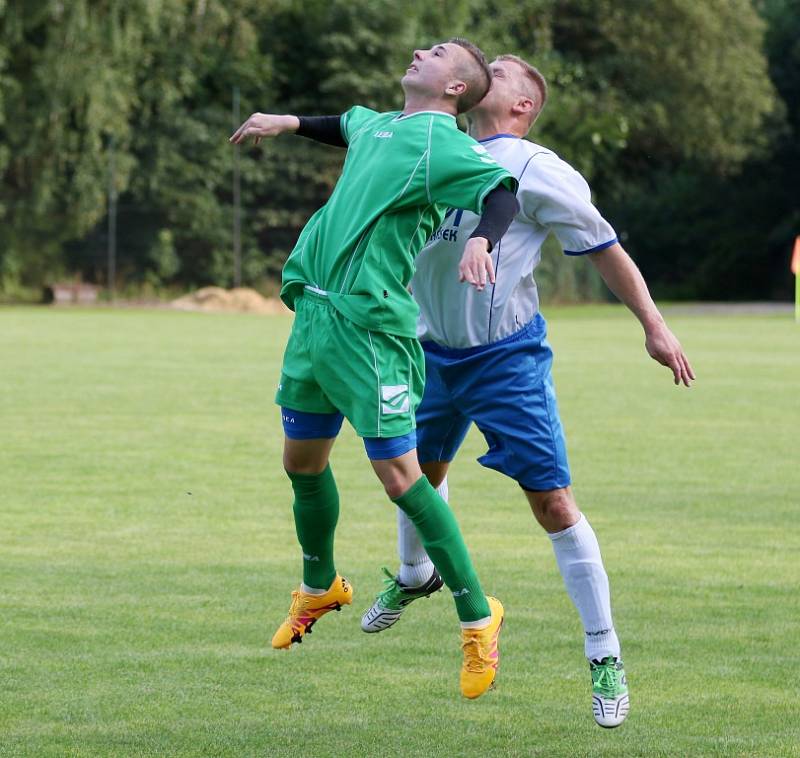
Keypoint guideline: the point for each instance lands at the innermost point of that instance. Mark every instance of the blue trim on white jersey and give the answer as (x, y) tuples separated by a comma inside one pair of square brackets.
[(494, 287), (596, 249), (499, 136)]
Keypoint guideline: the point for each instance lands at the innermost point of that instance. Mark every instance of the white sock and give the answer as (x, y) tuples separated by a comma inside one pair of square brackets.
[(581, 565), (415, 565), (311, 590), (479, 624)]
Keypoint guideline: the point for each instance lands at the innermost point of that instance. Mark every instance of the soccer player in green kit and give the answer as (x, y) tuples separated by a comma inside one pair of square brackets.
[(353, 350)]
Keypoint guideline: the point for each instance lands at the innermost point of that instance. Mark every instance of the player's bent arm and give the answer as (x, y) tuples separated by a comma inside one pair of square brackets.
[(499, 209), (624, 279)]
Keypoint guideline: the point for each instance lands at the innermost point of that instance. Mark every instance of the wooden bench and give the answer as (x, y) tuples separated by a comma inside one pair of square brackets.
[(71, 293)]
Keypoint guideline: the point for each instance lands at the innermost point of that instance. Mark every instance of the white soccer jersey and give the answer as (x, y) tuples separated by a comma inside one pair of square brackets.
[(553, 196)]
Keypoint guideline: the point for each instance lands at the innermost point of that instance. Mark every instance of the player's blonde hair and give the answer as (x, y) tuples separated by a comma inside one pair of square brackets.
[(537, 89)]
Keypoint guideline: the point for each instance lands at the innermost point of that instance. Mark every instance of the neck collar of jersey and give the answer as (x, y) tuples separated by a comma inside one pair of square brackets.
[(420, 113), (499, 136)]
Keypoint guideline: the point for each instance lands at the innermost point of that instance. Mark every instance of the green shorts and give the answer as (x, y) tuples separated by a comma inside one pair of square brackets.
[(332, 365)]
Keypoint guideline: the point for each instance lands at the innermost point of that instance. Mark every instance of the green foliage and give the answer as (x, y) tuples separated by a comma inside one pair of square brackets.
[(4, 53), (690, 77), (646, 98), (66, 102), (163, 256), (699, 231)]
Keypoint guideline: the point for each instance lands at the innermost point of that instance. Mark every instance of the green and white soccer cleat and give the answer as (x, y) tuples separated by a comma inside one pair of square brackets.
[(609, 692), (393, 599)]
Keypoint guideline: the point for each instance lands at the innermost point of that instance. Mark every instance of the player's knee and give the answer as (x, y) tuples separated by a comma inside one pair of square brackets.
[(396, 480), (398, 474), (297, 464), (395, 484), (554, 509)]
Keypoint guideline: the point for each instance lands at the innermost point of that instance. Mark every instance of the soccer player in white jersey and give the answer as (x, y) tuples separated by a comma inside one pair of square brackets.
[(488, 362)]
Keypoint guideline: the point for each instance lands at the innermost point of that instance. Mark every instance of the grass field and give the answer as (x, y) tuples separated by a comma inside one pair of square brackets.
[(147, 552)]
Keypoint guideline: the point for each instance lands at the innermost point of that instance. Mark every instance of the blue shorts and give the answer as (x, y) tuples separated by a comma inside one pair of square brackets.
[(507, 389)]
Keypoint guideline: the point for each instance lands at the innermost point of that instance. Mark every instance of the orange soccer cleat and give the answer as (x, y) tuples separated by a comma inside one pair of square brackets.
[(481, 654), (306, 609)]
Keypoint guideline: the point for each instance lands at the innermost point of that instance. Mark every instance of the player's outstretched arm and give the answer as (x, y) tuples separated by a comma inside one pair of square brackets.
[(325, 129), (261, 125), (624, 279)]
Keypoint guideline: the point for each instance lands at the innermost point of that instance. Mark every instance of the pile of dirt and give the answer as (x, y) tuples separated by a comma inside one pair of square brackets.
[(237, 300)]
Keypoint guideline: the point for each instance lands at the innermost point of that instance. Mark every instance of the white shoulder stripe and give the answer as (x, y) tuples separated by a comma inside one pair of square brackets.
[(428, 162), (413, 173)]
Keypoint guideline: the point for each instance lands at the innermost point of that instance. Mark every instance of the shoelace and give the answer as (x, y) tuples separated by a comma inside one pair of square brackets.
[(607, 680), (390, 591), (476, 656), (299, 604)]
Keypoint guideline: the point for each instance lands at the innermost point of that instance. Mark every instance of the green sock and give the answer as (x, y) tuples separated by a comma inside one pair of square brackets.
[(316, 511), (443, 542)]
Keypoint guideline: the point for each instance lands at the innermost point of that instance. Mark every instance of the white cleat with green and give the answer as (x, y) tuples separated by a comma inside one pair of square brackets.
[(609, 692), (394, 598)]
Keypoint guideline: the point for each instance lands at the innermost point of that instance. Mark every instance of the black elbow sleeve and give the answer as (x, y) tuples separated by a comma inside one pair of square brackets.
[(499, 209), (326, 129)]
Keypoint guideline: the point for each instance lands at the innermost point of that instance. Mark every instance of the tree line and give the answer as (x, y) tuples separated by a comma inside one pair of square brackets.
[(684, 116)]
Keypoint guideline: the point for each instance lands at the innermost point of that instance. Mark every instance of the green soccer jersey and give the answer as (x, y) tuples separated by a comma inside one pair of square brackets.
[(400, 175)]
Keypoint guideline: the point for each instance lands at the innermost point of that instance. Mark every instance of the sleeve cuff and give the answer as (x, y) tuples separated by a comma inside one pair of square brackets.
[(507, 181), (595, 249)]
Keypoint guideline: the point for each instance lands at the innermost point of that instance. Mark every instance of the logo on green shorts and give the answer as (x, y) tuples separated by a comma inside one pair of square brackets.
[(394, 398)]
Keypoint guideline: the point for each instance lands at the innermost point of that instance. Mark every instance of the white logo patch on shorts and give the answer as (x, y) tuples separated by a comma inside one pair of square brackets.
[(395, 398)]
